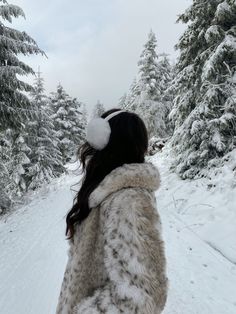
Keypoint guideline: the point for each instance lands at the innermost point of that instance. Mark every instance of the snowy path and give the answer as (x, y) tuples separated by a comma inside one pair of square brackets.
[(33, 258), (201, 280), (33, 253)]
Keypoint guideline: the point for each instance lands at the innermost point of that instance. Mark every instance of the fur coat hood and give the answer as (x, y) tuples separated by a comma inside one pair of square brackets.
[(116, 259)]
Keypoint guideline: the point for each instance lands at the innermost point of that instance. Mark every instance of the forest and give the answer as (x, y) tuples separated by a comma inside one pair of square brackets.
[(188, 106)]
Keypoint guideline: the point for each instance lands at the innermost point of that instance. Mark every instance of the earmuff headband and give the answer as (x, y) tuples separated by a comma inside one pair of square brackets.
[(113, 114), (99, 130)]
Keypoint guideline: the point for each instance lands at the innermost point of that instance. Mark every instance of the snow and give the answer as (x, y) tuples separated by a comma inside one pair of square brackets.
[(33, 251), (222, 9), (212, 31), (217, 56), (200, 235), (198, 229)]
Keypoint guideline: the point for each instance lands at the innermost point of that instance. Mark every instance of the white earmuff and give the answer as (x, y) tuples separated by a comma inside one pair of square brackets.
[(98, 131)]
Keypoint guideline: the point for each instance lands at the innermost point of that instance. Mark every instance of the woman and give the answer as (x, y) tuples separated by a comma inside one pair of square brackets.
[(116, 261)]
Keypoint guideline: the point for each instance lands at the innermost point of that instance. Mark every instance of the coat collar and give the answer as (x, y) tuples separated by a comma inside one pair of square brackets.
[(143, 175)]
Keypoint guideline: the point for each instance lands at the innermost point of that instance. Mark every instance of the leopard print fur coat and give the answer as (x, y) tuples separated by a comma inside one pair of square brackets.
[(116, 259)]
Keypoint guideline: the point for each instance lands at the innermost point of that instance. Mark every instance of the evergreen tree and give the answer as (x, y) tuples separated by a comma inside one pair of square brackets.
[(19, 160), (122, 101), (204, 109), (149, 76), (68, 122), (132, 96), (78, 121), (98, 109), (84, 120), (15, 106), (45, 158), (166, 73), (145, 96), (14, 160), (5, 158), (154, 115)]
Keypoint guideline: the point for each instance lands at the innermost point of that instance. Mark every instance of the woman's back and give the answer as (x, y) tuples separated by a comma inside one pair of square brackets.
[(116, 258)]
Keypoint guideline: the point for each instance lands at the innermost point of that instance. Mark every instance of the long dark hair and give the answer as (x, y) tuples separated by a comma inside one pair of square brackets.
[(128, 143)]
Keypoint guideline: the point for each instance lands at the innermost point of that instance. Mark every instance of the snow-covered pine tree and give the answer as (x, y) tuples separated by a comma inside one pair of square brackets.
[(84, 120), (147, 94), (122, 101), (148, 104), (14, 160), (166, 73), (132, 96), (148, 71), (204, 110), (5, 158), (5, 200), (15, 107), (98, 109), (78, 120), (68, 122), (18, 162), (45, 156)]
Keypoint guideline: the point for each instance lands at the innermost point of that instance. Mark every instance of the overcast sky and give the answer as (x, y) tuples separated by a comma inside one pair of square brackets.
[(93, 45)]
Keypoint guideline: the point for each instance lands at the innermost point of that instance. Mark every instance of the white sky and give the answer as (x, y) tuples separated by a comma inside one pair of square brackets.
[(93, 45)]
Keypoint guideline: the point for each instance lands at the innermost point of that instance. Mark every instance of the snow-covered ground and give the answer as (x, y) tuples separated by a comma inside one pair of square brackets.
[(199, 230), (199, 226)]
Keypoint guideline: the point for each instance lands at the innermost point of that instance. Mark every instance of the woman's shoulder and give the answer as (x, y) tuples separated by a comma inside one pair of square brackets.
[(133, 202), (127, 180), (133, 196)]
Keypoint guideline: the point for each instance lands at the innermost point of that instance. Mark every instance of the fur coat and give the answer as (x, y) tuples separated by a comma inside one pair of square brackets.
[(116, 259)]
